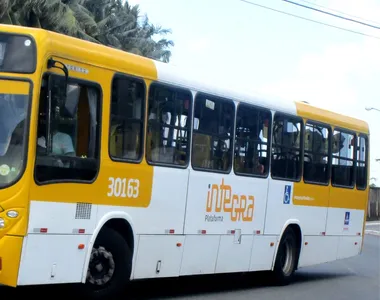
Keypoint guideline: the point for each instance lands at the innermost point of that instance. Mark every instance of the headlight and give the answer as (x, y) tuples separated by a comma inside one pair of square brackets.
[(12, 214), (2, 223)]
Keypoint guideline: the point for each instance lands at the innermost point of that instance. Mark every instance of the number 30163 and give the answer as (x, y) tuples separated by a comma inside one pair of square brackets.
[(123, 188)]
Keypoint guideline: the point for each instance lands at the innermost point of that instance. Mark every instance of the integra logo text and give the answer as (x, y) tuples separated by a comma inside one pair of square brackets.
[(221, 200)]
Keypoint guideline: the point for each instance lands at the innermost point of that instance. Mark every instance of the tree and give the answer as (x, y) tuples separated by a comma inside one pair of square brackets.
[(109, 22)]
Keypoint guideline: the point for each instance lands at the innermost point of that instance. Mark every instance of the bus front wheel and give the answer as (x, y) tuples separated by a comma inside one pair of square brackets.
[(109, 267), (286, 259)]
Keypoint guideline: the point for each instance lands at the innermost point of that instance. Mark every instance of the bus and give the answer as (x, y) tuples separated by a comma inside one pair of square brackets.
[(115, 167)]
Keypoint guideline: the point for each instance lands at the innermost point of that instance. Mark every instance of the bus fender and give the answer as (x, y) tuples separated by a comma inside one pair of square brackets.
[(284, 227), (99, 226)]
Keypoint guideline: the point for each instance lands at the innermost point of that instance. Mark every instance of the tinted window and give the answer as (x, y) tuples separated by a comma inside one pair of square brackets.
[(213, 133), (286, 147), (68, 137), (361, 165), (17, 54), (251, 140), (168, 125), (343, 159), (127, 118), (316, 154)]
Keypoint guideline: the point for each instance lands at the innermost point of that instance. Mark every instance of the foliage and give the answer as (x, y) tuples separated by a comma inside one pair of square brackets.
[(109, 22)]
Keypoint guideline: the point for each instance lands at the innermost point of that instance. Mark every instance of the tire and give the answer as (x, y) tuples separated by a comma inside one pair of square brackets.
[(286, 259), (115, 257)]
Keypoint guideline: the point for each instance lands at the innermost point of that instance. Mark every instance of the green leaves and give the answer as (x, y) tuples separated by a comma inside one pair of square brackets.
[(109, 22)]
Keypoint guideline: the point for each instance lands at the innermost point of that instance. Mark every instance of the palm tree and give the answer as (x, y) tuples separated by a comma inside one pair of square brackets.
[(109, 22), (49, 14)]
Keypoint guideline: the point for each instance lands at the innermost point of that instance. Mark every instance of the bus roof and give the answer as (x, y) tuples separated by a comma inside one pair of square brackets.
[(110, 58), (174, 75), (329, 117)]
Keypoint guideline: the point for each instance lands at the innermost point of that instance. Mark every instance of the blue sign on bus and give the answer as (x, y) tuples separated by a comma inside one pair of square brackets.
[(287, 193), (347, 218)]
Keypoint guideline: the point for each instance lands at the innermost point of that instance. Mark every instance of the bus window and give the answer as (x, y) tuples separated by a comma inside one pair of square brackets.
[(17, 54), (251, 140), (213, 133), (127, 118), (169, 115), (286, 147), (361, 165), (68, 132), (316, 154), (343, 159)]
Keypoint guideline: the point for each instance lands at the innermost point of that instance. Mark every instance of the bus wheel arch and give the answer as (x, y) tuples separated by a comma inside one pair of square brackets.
[(113, 241), (288, 252), (124, 228)]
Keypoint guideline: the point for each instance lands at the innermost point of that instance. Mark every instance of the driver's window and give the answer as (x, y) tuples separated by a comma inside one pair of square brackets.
[(213, 133), (286, 147), (68, 131)]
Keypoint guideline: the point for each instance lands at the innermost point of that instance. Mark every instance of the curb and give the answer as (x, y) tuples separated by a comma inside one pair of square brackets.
[(372, 223), (372, 232)]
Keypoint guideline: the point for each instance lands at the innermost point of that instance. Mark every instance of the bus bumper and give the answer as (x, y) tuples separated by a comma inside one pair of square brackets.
[(10, 255)]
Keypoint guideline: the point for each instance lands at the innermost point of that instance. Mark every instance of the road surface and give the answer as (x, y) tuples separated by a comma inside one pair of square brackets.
[(373, 228), (356, 278)]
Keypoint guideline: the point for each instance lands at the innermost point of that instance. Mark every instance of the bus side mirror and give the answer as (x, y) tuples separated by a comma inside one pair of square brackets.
[(57, 86), (57, 96)]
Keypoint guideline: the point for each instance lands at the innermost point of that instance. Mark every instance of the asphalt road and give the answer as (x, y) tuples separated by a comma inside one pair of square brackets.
[(356, 278), (373, 228)]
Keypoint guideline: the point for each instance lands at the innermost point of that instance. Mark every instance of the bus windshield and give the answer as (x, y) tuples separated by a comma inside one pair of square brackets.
[(14, 102)]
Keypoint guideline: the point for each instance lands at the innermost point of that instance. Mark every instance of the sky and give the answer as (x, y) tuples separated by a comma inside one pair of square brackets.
[(261, 50)]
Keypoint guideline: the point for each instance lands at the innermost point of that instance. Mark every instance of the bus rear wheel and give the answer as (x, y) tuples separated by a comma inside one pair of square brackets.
[(286, 259), (109, 267)]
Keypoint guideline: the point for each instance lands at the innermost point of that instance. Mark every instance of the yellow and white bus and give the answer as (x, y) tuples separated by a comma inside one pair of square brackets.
[(115, 167)]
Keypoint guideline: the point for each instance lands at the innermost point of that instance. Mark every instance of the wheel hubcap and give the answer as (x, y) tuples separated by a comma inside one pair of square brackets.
[(101, 267)]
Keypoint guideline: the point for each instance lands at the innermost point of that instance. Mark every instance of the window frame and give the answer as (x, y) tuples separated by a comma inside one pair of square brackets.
[(366, 139), (144, 116), (89, 83), (223, 100), (189, 117), (329, 154), (26, 129), (301, 149), (268, 143), (347, 131)]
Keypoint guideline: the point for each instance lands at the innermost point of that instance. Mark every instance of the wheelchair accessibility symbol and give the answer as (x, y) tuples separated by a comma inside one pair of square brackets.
[(287, 193), (347, 218)]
